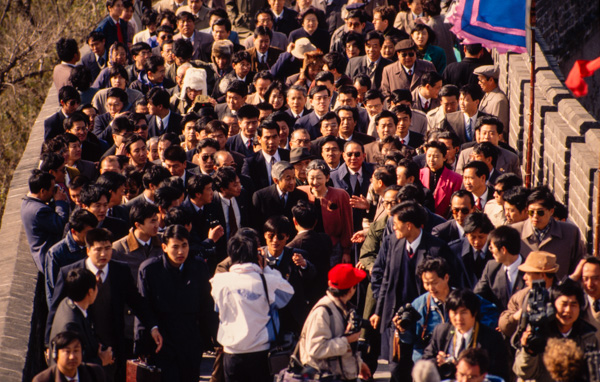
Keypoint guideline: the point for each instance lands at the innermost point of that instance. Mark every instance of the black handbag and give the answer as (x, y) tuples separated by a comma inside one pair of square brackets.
[(282, 348)]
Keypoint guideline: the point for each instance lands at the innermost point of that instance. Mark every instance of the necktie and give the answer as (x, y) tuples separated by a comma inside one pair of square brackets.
[(119, 32), (462, 346), (371, 68), (232, 222), (159, 123), (508, 288), (596, 306), (99, 277), (271, 162), (478, 205), (283, 199), (146, 249), (409, 252), (402, 141), (101, 62), (250, 144), (426, 106), (356, 188), (410, 72), (469, 130)]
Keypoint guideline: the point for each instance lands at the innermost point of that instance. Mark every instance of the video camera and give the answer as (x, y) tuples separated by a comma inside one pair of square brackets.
[(538, 314)]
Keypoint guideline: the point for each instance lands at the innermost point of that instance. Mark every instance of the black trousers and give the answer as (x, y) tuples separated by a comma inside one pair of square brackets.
[(246, 367)]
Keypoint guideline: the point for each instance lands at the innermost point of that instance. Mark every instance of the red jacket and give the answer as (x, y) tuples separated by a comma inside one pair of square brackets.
[(448, 183)]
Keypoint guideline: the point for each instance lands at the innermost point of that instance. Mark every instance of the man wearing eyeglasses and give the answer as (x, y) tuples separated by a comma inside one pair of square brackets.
[(541, 232), (462, 204), (406, 73), (206, 155)]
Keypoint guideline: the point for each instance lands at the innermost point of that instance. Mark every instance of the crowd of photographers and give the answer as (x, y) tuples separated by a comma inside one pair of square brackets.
[(302, 193)]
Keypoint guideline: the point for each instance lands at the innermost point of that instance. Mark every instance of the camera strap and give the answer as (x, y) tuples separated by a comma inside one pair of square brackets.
[(427, 311), (472, 343)]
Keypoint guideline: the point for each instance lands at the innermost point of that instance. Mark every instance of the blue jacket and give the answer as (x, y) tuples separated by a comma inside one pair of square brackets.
[(488, 314), (65, 252), (44, 225)]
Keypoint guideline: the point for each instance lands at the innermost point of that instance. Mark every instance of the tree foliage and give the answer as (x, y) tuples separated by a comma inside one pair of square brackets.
[(29, 30)]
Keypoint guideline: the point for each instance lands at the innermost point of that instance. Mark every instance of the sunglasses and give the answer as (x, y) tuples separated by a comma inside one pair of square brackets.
[(206, 157), (279, 236), (355, 154), (499, 192), (539, 213), (389, 203), (407, 54), (464, 211)]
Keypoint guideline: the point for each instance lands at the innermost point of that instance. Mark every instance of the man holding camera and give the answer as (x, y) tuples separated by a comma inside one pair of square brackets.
[(464, 331), (568, 299), (328, 339)]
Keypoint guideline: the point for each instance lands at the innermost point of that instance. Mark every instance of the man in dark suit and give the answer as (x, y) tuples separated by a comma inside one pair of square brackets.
[(230, 206), (279, 198), (262, 55), (354, 176), (187, 31), (473, 248), (97, 59), (115, 290), (66, 350), (72, 315), (349, 117), (462, 204), (162, 119), (406, 73), (371, 64), (285, 19), (400, 254), (407, 137), (461, 73), (259, 166), (501, 277), (113, 27), (95, 199), (243, 142), (320, 97), (475, 176), (317, 246), (69, 100), (451, 338)]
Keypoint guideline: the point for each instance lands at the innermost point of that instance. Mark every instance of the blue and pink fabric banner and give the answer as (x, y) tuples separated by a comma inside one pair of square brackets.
[(500, 24)]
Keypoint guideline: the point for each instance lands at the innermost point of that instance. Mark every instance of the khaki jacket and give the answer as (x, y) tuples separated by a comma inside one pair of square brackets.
[(322, 344)]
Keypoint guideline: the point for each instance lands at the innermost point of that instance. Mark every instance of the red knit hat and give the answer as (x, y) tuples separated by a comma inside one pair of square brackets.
[(345, 276)]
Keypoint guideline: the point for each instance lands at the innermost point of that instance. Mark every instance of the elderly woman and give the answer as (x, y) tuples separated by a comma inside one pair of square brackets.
[(118, 79), (442, 181), (333, 209), (309, 21), (423, 36), (194, 84)]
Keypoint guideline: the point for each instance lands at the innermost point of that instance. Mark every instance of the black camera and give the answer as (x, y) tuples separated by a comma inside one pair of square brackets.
[(356, 322), (448, 368), (214, 223), (539, 315), (408, 317)]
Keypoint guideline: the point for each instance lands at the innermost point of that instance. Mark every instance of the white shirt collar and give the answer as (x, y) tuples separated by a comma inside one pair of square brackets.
[(83, 311), (94, 270), (483, 198), (415, 244), (268, 157), (461, 230), (423, 99), (513, 271), (143, 242), (467, 336), (407, 69)]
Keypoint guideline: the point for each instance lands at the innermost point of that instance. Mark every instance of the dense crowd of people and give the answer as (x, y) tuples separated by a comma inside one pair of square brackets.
[(221, 176)]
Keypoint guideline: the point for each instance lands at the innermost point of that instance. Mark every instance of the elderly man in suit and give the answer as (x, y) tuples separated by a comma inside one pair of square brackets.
[(262, 55), (187, 30), (542, 232), (490, 129), (279, 198), (406, 73), (371, 64), (494, 102), (462, 204), (259, 166)]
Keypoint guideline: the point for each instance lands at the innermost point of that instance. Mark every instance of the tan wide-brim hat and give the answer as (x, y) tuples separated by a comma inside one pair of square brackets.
[(540, 262), (302, 46)]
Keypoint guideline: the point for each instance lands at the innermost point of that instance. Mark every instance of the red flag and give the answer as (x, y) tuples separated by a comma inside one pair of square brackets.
[(582, 68)]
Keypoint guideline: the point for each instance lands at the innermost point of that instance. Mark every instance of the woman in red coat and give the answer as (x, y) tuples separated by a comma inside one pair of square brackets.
[(438, 178), (333, 210)]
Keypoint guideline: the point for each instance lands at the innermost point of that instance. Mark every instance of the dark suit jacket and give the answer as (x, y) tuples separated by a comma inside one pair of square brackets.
[(116, 226), (267, 203), (359, 65), (90, 62), (255, 167), (492, 284), (461, 73), (174, 125), (101, 128), (394, 77), (272, 56), (200, 40), (341, 179), (236, 143), (415, 140), (447, 231), (418, 105), (393, 250), (463, 251), (123, 292), (456, 122), (53, 125), (309, 122), (287, 22), (489, 339), (361, 138), (67, 316), (109, 29), (86, 372), (317, 246)]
